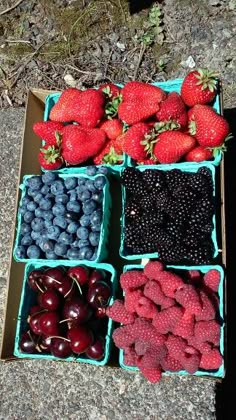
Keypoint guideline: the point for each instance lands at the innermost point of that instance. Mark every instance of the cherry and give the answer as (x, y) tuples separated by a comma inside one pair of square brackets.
[(49, 300), (27, 342), (45, 343), (95, 276), (53, 277), (35, 309), (66, 288), (100, 312), (97, 349), (80, 339), (34, 322), (99, 294), (80, 274), (35, 280), (75, 309), (48, 323), (60, 347)]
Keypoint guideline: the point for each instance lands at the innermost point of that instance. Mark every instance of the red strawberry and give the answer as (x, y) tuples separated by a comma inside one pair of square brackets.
[(140, 101), (110, 154), (146, 308), (199, 87), (165, 320), (133, 138), (118, 313), (113, 128), (209, 128), (131, 298), (146, 162), (153, 375), (50, 158), (170, 364), (85, 107), (198, 154), (98, 158), (46, 130), (185, 326), (188, 297), (211, 360), (171, 146), (173, 108), (78, 144), (191, 115), (207, 331), (212, 279), (132, 279), (110, 90)]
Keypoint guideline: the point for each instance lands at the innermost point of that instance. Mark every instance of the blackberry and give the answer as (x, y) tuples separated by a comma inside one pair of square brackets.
[(200, 183), (132, 209), (176, 232), (175, 179), (154, 179), (206, 205), (147, 202), (207, 175), (162, 238), (171, 255), (208, 228), (151, 218), (193, 237), (201, 254), (199, 219), (161, 198), (131, 178)]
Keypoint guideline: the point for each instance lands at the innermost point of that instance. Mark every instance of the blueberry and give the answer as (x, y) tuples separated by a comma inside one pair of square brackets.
[(46, 245), (32, 206), (45, 204), (32, 193), (80, 189), (35, 235), (85, 253), (47, 215), (45, 189), (37, 224), (96, 217), (39, 212), (75, 244), (25, 228), (38, 198), (71, 216), (58, 209), (81, 181), (58, 187), (85, 220), (95, 227), (26, 240), (60, 249), (50, 255), (89, 206), (73, 195), (62, 198), (25, 200), (20, 252), (86, 195), (22, 210), (83, 242), (70, 183), (28, 216), (94, 238), (90, 186), (60, 221), (53, 232), (82, 233), (33, 251), (48, 223), (34, 182), (97, 196), (91, 170), (72, 227), (100, 182), (73, 254), (65, 238), (95, 254), (73, 206), (44, 234), (49, 177), (103, 170), (50, 196)]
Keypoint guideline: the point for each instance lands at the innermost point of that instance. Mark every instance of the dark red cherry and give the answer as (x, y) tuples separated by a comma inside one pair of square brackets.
[(100, 312), (60, 347), (67, 288), (35, 280), (35, 309), (49, 300), (80, 339), (48, 323), (34, 323), (45, 343), (80, 274), (53, 277), (99, 294), (97, 349), (75, 309), (27, 343), (95, 275)]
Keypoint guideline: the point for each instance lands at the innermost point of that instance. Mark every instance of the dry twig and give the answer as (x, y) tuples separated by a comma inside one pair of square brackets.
[(11, 7)]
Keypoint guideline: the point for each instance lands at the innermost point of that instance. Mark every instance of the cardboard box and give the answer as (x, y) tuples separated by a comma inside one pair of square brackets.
[(29, 165)]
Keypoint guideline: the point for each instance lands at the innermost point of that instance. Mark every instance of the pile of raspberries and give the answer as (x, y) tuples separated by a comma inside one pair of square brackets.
[(169, 322)]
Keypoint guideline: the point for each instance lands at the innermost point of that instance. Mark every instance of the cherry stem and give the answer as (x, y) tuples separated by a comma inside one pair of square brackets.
[(52, 278), (41, 290), (72, 285), (65, 320), (57, 336), (78, 285), (35, 313)]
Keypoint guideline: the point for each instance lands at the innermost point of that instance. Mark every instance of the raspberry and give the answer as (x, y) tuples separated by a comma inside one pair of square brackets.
[(170, 364), (122, 337), (153, 291), (118, 313), (141, 347), (143, 329), (169, 282), (188, 297), (132, 279), (176, 346), (194, 277), (201, 347), (207, 331), (208, 311), (185, 326), (146, 308), (212, 280), (152, 268), (130, 357), (153, 357), (131, 298), (153, 375), (165, 320), (190, 362), (211, 360)]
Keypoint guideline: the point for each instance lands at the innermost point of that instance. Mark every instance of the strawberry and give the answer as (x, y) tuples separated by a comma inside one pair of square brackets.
[(78, 144), (171, 146), (198, 154), (110, 154), (140, 101), (85, 107), (146, 162), (50, 158), (110, 90), (173, 108), (199, 87), (46, 130), (209, 128), (113, 128), (132, 141)]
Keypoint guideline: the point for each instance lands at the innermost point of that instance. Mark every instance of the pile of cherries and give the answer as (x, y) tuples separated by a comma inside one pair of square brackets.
[(67, 316)]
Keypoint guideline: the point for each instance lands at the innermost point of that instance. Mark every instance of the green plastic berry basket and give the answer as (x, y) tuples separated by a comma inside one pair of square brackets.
[(102, 251), (28, 297), (175, 86), (219, 373), (50, 101), (183, 168)]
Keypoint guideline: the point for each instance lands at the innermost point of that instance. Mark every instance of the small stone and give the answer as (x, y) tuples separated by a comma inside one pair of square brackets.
[(120, 46), (70, 81), (189, 62)]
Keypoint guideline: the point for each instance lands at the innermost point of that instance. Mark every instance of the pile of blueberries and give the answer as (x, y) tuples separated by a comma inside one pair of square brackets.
[(61, 217)]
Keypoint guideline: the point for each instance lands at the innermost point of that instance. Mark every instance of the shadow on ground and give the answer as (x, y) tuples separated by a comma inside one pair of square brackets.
[(226, 391)]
